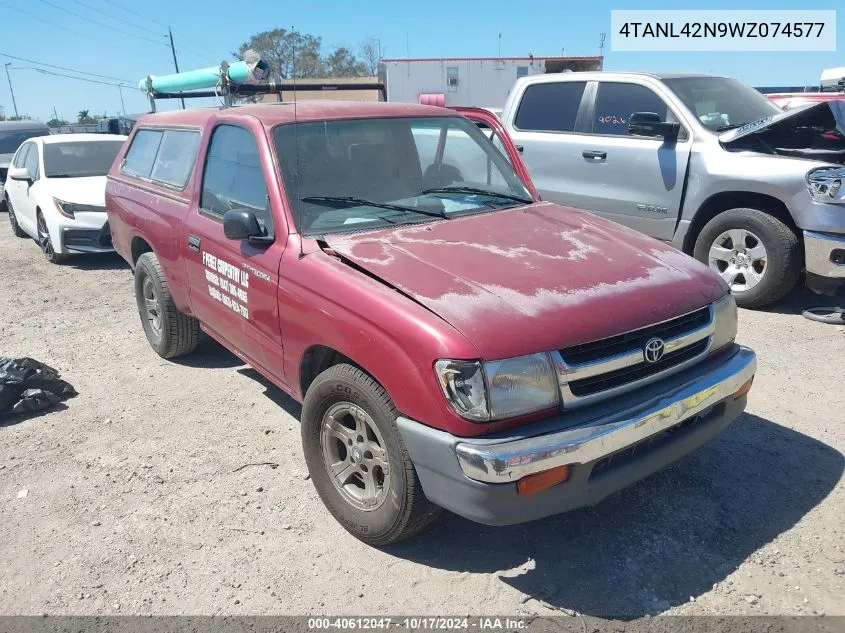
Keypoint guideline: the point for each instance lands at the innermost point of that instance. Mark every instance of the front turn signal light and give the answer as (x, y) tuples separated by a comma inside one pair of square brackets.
[(538, 482)]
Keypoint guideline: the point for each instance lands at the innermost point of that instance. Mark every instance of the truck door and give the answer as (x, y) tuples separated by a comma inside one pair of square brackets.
[(634, 180), (544, 124), (233, 283)]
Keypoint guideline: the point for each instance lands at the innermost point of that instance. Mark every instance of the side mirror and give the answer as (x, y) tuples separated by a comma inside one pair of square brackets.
[(19, 173), (650, 124), (241, 224)]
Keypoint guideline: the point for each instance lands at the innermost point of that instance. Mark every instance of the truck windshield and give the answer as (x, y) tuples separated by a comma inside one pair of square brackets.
[(78, 159), (721, 103), (361, 174)]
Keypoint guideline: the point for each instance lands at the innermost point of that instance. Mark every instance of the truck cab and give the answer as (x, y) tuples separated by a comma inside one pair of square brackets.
[(454, 341), (703, 162)]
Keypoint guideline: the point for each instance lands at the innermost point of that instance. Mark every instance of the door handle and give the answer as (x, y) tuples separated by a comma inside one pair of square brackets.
[(594, 154), (194, 243)]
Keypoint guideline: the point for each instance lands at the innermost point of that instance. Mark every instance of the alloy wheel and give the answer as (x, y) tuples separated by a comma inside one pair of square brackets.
[(44, 239), (153, 311), (355, 456), (739, 257)]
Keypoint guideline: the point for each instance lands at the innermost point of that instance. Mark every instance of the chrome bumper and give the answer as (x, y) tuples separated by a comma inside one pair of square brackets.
[(510, 461), (824, 254)]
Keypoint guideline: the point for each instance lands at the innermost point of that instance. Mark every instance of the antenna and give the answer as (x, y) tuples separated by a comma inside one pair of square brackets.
[(296, 140)]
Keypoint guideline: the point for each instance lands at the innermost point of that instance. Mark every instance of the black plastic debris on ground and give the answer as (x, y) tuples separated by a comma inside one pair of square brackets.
[(27, 386)]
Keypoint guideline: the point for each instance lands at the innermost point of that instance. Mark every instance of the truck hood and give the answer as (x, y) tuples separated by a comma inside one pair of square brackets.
[(815, 132), (534, 278), (89, 190)]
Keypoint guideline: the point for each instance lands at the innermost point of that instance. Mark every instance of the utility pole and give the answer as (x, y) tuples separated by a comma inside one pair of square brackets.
[(122, 107), (602, 38), (175, 63), (500, 45), (11, 90)]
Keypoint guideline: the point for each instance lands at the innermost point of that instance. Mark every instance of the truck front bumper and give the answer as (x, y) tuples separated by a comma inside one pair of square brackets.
[(606, 450), (824, 255)]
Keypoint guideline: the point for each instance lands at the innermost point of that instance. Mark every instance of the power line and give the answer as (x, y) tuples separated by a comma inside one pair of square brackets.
[(79, 72), (70, 30), (98, 23), (51, 72), (140, 15), (111, 17)]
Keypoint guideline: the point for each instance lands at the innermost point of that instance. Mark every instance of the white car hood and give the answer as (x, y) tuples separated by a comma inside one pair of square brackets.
[(89, 190)]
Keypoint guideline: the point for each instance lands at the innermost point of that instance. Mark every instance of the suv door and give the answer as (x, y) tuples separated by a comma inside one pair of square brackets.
[(234, 284), (636, 181)]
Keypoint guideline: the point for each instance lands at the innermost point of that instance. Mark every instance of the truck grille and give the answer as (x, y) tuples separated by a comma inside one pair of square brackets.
[(608, 367)]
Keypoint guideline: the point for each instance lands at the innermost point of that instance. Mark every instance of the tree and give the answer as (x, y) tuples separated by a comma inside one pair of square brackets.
[(290, 54), (342, 63), (371, 54), (84, 117), (56, 122)]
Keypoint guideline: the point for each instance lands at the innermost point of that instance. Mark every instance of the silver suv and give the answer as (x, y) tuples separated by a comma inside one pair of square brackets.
[(704, 162)]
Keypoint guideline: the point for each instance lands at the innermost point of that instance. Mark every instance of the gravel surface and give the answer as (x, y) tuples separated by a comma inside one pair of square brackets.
[(180, 488)]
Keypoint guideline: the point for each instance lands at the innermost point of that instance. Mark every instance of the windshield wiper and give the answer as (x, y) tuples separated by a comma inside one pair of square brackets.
[(352, 201), (478, 191), (725, 128)]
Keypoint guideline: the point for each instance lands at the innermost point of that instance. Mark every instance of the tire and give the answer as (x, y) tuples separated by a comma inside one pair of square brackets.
[(398, 508), (763, 281), (13, 220), (170, 332), (46, 243)]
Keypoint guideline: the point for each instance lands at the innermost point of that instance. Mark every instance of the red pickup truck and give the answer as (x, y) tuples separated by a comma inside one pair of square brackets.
[(455, 342)]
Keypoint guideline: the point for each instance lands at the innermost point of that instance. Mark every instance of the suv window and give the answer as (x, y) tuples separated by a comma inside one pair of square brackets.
[(10, 140), (616, 102), (234, 178), (141, 155), (176, 156), (31, 162), (550, 107)]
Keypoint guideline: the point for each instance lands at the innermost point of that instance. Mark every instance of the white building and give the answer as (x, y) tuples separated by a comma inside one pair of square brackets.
[(468, 81)]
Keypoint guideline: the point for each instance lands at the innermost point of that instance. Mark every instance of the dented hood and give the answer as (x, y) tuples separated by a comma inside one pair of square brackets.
[(827, 116), (534, 278)]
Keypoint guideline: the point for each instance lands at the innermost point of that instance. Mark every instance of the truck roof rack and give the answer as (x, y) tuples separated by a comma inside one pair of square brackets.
[(245, 78)]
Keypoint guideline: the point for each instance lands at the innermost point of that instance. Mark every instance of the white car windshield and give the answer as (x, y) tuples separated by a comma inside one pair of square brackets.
[(361, 174), (79, 159)]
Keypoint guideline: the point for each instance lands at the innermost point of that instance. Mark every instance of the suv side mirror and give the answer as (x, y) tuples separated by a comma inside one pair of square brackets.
[(241, 224), (650, 124), (19, 173)]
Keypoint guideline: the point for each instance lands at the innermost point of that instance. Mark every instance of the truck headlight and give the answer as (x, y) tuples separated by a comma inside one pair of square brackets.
[(493, 390), (724, 322), (825, 184)]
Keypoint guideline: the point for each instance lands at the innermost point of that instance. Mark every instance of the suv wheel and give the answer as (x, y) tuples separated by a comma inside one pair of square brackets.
[(13, 220), (46, 243), (357, 460), (170, 332), (756, 254)]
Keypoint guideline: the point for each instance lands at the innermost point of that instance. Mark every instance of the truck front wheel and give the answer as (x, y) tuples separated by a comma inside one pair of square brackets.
[(169, 332), (357, 460), (756, 254)]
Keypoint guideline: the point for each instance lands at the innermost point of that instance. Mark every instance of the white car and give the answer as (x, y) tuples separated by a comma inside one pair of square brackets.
[(55, 192)]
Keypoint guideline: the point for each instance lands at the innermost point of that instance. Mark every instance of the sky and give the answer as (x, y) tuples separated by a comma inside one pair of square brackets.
[(126, 40)]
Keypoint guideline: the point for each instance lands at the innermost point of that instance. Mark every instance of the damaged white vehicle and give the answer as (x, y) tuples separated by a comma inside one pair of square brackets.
[(55, 192)]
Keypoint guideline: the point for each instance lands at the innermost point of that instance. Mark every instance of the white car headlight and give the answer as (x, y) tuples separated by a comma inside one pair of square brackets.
[(493, 390), (70, 209), (724, 322), (825, 184)]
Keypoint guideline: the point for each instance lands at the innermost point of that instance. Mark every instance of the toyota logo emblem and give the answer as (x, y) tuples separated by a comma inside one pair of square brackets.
[(653, 350)]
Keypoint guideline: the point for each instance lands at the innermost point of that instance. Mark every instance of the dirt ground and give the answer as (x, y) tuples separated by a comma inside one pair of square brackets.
[(138, 502)]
